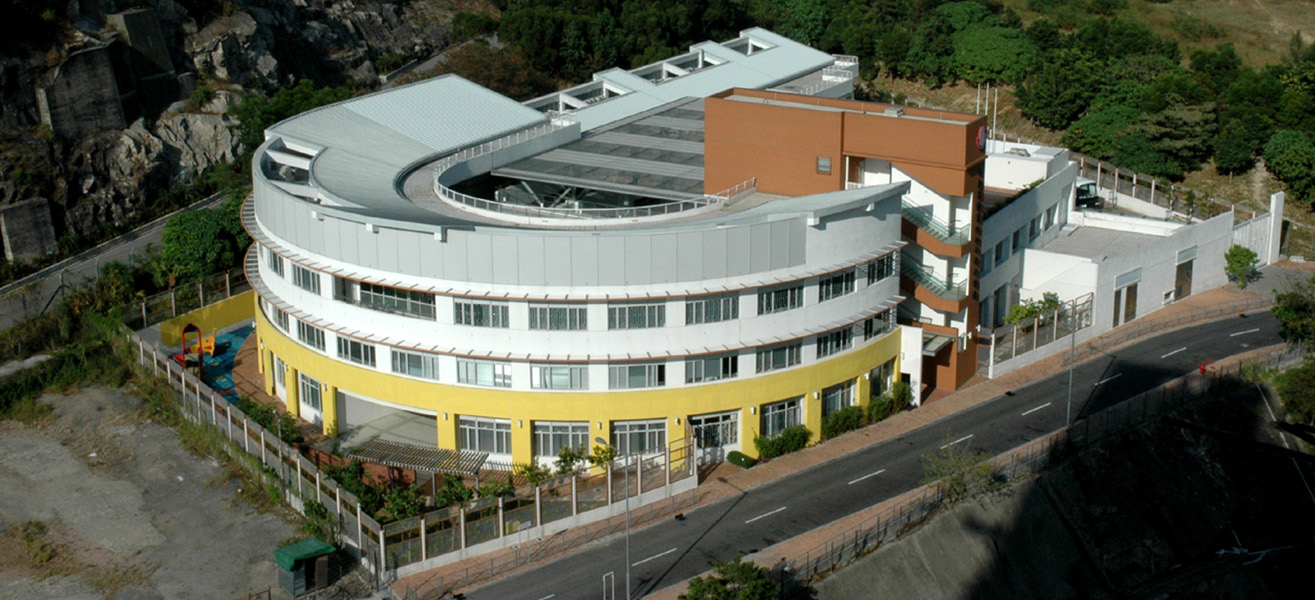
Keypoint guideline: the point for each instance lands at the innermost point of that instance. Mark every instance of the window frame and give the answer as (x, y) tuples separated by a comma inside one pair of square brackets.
[(767, 356), (697, 308), (425, 363), (471, 428), (636, 315), (480, 313), (775, 417), (780, 299), (544, 376), (573, 317), (356, 351), (469, 372), (306, 330), (728, 367)]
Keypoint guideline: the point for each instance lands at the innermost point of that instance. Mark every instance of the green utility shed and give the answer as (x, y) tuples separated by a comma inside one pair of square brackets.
[(303, 566)]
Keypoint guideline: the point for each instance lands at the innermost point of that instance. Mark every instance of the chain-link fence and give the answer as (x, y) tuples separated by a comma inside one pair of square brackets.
[(143, 313), (918, 506)]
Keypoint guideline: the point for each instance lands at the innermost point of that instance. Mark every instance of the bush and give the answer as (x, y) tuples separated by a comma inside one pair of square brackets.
[(959, 471), (791, 439), (1297, 388), (1241, 265), (733, 579), (280, 424), (740, 459), (845, 419), (892, 402)]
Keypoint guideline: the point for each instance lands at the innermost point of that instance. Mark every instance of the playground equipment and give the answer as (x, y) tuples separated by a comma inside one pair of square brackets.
[(192, 355)]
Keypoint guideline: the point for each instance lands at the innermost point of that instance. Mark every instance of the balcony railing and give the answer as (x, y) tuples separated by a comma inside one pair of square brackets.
[(922, 217), (948, 289)]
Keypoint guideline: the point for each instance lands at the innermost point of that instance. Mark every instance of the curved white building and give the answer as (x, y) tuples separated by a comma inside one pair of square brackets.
[(526, 277)]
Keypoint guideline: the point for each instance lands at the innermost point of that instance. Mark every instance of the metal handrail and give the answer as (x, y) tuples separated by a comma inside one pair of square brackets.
[(923, 218), (950, 290)]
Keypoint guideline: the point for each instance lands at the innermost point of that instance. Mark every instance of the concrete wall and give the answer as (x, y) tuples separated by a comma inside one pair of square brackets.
[(82, 95), (210, 318), (1055, 192), (27, 230)]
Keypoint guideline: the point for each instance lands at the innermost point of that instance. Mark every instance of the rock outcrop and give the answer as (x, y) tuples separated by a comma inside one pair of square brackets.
[(194, 142)]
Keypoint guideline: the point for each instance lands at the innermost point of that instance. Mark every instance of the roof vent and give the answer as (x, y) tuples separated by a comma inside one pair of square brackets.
[(894, 111)]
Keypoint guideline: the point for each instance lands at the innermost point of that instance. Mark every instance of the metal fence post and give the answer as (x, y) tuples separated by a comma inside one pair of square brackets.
[(538, 506), (200, 293), (502, 524), (575, 496), (262, 446), (318, 495), (246, 436), (173, 303), (461, 520), (609, 482), (424, 552)]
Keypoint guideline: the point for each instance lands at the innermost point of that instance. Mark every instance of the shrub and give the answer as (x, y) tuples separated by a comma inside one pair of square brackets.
[(733, 579), (1241, 265), (454, 491), (533, 473), (845, 419), (740, 459), (892, 402), (959, 471), (791, 439), (1297, 388), (404, 502)]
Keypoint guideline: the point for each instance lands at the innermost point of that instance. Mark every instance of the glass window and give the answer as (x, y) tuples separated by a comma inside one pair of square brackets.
[(479, 314), (1034, 228), (779, 357), (717, 430), (780, 299), (711, 309), (702, 369), (882, 378), (639, 437), (355, 351), (280, 372), (484, 372), (1001, 252), (881, 268), (274, 261), (636, 316), (878, 324), (559, 377), (1018, 240), (834, 341), (310, 335), (397, 300), (1050, 216), (482, 434), (306, 279), (834, 286), (779, 415), (823, 165), (279, 317), (988, 261), (636, 376), (559, 317), (550, 437), (836, 397), (309, 389), (415, 364)]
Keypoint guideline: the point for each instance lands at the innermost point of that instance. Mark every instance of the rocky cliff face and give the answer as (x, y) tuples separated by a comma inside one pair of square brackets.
[(92, 175)]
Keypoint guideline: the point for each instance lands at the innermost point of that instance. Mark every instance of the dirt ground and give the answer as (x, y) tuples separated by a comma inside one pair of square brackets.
[(99, 503)]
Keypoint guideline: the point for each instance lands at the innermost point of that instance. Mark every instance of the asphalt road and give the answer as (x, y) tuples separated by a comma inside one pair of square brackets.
[(16, 303), (672, 550)]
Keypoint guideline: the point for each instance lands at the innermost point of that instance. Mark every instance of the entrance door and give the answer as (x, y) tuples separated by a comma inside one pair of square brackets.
[(1125, 304), (1182, 281), (309, 397), (716, 434)]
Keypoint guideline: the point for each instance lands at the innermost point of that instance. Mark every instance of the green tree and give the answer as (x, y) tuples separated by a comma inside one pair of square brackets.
[(733, 580), (984, 54), (1290, 156), (1235, 148), (1058, 92), (1097, 133), (504, 71), (196, 243), (806, 20), (1240, 265), (1294, 305), (1297, 388)]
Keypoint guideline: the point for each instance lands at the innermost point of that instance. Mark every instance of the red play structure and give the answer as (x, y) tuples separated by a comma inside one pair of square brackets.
[(191, 356)]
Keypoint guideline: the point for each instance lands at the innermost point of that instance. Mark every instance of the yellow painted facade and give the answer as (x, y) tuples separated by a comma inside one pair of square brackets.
[(747, 395), (211, 317)]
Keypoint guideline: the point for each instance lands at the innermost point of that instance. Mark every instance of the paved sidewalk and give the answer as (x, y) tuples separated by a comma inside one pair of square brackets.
[(727, 480)]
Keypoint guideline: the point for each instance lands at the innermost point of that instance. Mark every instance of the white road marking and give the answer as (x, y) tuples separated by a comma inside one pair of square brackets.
[(1035, 409), (867, 476), (956, 441), (764, 515), (1110, 378), (548, 596), (653, 557), (1173, 353), (1244, 332)]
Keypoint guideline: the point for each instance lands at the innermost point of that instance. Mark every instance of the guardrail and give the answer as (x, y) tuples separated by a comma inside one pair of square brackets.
[(183, 299), (1020, 338), (949, 290), (923, 218)]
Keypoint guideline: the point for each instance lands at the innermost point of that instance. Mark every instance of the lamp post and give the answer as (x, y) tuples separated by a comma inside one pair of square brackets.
[(1072, 356), (603, 442)]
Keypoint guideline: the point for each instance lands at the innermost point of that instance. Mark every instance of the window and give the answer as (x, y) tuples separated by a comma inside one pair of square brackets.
[(636, 376), (882, 378), (1125, 296), (310, 335), (309, 389), (559, 377), (479, 314), (988, 261), (1001, 252), (878, 324), (398, 301), (559, 317), (636, 316), (280, 372), (779, 357), (550, 437), (703, 369), (834, 341), (712, 309), (639, 437), (355, 351), (823, 165), (306, 279), (415, 364), (1018, 240), (274, 261), (482, 434), (836, 397), (835, 286), (881, 268), (780, 299), (716, 431), (779, 415), (1050, 216), (1034, 228), (280, 317), (484, 372)]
